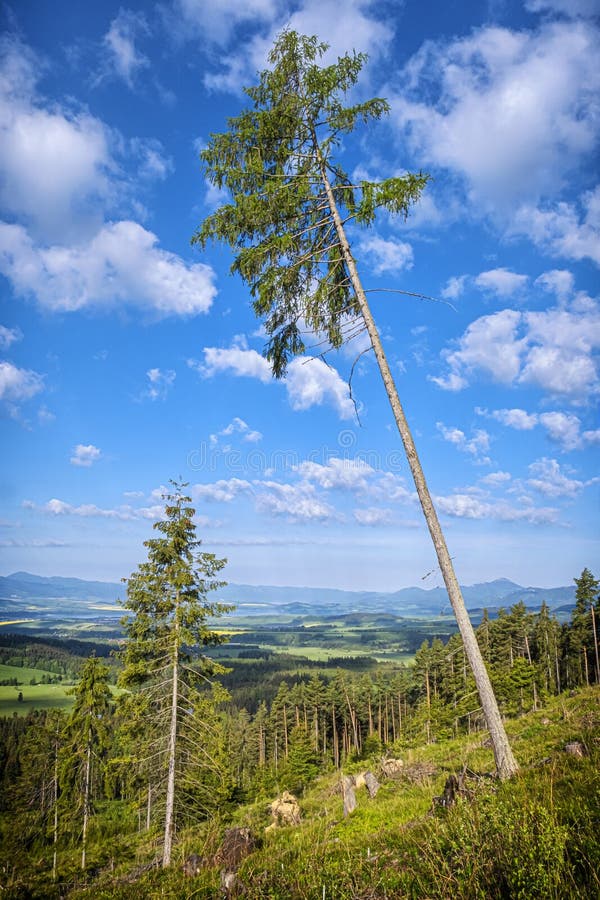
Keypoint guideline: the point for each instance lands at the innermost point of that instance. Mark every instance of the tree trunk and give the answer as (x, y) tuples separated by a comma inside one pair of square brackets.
[(55, 800), (595, 643), (86, 801), (169, 812), (506, 765)]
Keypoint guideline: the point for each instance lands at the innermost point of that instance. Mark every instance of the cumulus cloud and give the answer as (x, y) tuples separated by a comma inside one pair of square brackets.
[(570, 230), (512, 112), (501, 282), (373, 516), (562, 428), (518, 419), (384, 255), (309, 381), (237, 426), (360, 28), (549, 479), (489, 344), (54, 164), (18, 385), (337, 474), (217, 21), (557, 281), (9, 336), (553, 350), (237, 360), (121, 264), (455, 287), (85, 455), (476, 446), (496, 478), (222, 491), (296, 502), (468, 506)]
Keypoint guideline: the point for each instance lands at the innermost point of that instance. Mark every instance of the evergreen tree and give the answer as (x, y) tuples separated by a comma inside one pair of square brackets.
[(87, 734), (582, 646), (302, 764), (167, 600), (287, 226)]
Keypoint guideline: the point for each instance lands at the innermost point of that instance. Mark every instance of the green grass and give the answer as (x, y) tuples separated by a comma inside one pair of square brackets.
[(38, 696), (532, 838), (35, 696), (24, 674)]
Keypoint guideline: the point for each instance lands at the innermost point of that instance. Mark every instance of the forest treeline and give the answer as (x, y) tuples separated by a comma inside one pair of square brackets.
[(78, 784)]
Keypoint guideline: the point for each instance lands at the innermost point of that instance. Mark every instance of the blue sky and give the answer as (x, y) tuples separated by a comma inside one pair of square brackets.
[(128, 358)]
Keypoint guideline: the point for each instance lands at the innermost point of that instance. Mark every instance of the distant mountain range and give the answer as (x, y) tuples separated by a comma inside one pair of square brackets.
[(22, 593)]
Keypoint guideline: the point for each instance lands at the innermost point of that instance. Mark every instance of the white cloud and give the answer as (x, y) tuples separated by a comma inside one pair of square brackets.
[(85, 455), (9, 336), (476, 446), (455, 287), (467, 506), (561, 344), (125, 513), (237, 426), (386, 255), (564, 229), (551, 481), (553, 350), (337, 474), (153, 165), (159, 383), (121, 264), (18, 385), (501, 282), (223, 491), (496, 478), (557, 281), (357, 28), (123, 58), (490, 344), (217, 21), (311, 382), (296, 502), (236, 360), (566, 7), (512, 112), (518, 419), (373, 516), (54, 164), (562, 428)]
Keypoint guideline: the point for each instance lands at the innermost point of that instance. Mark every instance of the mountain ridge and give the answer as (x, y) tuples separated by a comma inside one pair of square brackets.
[(25, 586)]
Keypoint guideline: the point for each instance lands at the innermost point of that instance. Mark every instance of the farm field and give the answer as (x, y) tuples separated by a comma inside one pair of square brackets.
[(34, 696)]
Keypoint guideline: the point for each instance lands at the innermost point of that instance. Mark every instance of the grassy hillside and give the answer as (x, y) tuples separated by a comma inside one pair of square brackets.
[(533, 837)]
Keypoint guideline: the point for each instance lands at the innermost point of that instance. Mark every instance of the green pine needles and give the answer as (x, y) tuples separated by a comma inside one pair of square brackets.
[(279, 224)]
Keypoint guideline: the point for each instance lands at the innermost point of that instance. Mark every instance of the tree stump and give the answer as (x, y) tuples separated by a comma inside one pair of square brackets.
[(348, 795), (372, 784)]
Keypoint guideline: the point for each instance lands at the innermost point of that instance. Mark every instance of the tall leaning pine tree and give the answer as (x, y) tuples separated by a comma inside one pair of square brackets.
[(167, 602), (287, 226)]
